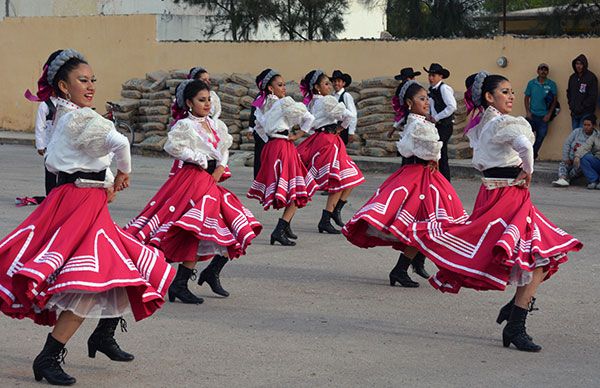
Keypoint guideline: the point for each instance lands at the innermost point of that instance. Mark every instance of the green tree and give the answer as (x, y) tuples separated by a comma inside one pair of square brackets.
[(237, 19), (295, 19), (430, 18)]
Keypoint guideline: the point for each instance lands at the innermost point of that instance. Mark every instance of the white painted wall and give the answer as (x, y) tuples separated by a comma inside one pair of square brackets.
[(181, 21)]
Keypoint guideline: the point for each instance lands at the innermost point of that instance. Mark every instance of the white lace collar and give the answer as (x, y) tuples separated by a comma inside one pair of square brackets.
[(66, 104)]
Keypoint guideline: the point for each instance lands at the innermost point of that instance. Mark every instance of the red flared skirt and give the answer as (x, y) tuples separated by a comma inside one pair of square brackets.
[(505, 234), (178, 165), (70, 245), (192, 217), (282, 180), (325, 156), (413, 193)]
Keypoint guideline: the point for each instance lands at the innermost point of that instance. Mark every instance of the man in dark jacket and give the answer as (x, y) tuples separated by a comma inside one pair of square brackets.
[(582, 92)]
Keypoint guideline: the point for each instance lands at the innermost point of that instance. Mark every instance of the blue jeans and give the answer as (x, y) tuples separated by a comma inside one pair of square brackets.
[(577, 121), (540, 128), (591, 168)]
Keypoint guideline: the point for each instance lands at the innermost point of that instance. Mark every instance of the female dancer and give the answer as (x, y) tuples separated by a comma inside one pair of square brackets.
[(192, 218), (200, 73), (68, 257), (506, 240), (417, 191), (282, 181), (324, 152)]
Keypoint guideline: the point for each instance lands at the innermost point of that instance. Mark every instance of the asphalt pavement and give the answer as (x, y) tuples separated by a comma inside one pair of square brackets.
[(322, 313)]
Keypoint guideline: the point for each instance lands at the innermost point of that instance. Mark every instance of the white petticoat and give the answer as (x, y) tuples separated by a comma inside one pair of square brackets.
[(112, 303), (519, 277)]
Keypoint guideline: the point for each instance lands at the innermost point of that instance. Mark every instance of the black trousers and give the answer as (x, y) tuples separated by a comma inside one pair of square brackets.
[(50, 180), (258, 147), (345, 135), (445, 132)]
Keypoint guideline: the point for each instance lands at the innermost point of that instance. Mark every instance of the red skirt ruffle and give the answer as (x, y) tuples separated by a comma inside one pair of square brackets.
[(191, 208), (413, 193), (282, 179), (325, 156), (178, 165), (504, 230), (70, 244)]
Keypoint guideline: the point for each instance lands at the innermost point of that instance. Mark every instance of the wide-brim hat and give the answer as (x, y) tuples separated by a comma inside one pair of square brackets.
[(337, 74), (406, 73), (436, 68)]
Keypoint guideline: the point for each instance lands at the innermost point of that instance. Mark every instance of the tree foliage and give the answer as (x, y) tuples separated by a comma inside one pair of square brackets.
[(431, 18), (295, 19)]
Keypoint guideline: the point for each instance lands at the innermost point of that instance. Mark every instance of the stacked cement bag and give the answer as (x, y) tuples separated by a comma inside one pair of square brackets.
[(145, 104), (373, 98), (237, 92)]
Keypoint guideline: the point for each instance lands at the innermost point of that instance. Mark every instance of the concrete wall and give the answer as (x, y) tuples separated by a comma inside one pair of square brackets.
[(123, 47)]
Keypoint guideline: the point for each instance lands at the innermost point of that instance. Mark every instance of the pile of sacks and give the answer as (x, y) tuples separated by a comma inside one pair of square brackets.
[(145, 105)]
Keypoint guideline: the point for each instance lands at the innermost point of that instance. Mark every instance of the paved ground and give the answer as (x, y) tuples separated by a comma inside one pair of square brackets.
[(322, 313)]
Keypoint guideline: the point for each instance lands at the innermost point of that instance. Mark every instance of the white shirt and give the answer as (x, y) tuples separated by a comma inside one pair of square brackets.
[(43, 127), (348, 101), (501, 140), (215, 106), (85, 141), (327, 110), (190, 142), (449, 100), (419, 138), (279, 115)]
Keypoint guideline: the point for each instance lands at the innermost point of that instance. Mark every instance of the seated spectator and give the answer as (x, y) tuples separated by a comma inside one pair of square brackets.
[(588, 157), (566, 168)]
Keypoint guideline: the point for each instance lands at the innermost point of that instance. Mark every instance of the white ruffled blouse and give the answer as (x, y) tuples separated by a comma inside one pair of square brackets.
[(501, 140), (419, 138), (189, 141), (278, 115), (327, 110), (85, 141)]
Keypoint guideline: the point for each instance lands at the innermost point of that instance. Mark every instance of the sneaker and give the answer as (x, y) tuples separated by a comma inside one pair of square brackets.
[(592, 186), (560, 182)]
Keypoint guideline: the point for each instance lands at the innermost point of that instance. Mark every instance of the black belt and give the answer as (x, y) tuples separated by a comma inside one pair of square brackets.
[(210, 168), (283, 133), (502, 172), (331, 128), (63, 178), (414, 160)]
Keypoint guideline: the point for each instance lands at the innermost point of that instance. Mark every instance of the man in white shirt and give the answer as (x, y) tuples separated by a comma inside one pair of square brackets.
[(442, 105), (340, 82)]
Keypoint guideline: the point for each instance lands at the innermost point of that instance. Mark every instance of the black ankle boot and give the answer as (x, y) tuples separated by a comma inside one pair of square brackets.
[(47, 364), (288, 231), (418, 265), (179, 288), (103, 340), (504, 313), (400, 275), (336, 215), (211, 275), (325, 224), (515, 333), (279, 234)]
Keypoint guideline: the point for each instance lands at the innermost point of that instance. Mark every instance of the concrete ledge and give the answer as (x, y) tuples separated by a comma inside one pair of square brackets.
[(545, 172)]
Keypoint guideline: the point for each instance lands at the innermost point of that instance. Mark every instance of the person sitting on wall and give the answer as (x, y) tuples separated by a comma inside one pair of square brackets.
[(588, 158), (566, 169), (539, 113)]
